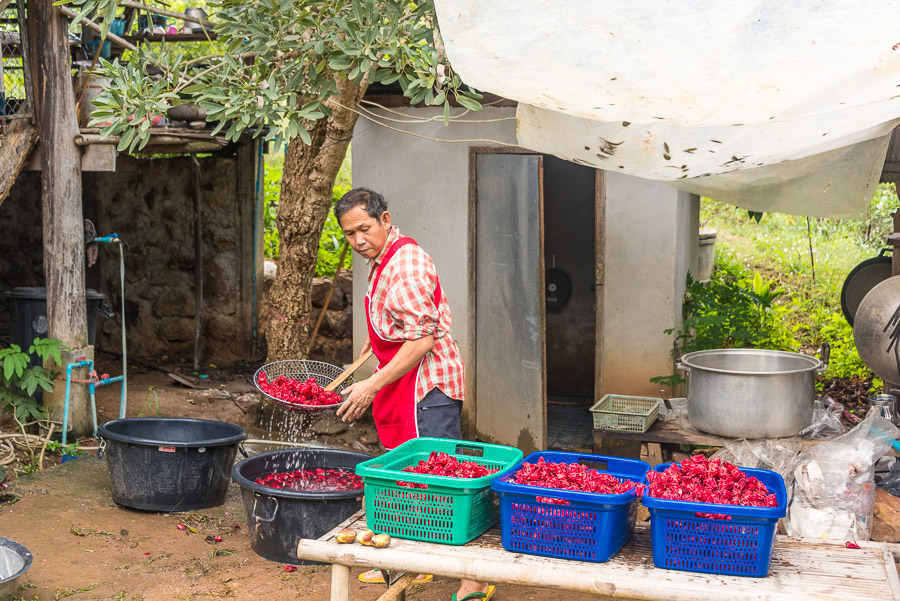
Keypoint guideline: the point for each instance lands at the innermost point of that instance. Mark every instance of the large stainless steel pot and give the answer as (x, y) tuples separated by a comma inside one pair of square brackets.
[(751, 393)]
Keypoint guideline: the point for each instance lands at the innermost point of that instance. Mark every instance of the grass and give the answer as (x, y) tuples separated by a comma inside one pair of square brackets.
[(331, 241), (808, 257)]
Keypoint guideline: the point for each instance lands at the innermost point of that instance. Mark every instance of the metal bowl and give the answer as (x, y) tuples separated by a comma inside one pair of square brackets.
[(15, 560), (324, 374)]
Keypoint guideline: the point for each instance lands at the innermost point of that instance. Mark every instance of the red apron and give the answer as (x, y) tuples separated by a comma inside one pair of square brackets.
[(394, 407)]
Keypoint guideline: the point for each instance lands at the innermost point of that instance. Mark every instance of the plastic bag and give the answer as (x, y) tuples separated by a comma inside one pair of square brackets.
[(834, 483), (677, 413), (890, 478), (826, 421), (773, 455)]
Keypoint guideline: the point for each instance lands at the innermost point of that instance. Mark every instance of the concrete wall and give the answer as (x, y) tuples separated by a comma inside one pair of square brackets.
[(651, 242), (148, 202), (426, 184), (651, 237)]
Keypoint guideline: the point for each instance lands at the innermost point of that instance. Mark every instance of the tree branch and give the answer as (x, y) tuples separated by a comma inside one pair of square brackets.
[(169, 13), (85, 21), (188, 82)]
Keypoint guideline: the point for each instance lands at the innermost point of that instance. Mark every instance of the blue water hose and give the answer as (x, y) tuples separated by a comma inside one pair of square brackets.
[(83, 363), (123, 401)]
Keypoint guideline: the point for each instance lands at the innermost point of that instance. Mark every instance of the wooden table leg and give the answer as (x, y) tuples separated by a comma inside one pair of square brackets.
[(340, 582)]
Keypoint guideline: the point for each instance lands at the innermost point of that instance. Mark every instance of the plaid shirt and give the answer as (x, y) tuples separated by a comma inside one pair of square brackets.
[(402, 308)]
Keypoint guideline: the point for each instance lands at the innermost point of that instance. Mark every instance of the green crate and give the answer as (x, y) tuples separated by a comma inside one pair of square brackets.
[(452, 511), (625, 413)]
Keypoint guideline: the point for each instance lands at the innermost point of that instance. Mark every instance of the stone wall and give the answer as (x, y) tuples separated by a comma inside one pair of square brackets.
[(334, 341), (148, 202)]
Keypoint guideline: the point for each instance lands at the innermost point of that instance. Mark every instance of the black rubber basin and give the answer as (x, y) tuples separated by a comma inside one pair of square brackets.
[(168, 463), (277, 519)]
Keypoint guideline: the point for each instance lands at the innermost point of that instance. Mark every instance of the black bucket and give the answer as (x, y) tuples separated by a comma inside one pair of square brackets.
[(168, 463), (277, 519)]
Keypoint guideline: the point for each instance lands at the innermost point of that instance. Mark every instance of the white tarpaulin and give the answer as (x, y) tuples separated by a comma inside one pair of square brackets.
[(773, 106)]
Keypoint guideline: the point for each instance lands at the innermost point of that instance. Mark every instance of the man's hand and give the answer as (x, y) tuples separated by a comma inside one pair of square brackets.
[(359, 396)]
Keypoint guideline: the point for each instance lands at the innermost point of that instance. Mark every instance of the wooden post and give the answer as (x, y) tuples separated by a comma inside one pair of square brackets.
[(250, 195), (63, 227), (340, 582)]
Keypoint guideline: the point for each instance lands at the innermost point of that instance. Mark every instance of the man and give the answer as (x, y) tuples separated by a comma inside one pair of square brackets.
[(418, 387)]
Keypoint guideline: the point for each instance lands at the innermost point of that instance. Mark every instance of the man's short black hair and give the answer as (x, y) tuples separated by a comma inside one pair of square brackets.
[(374, 203)]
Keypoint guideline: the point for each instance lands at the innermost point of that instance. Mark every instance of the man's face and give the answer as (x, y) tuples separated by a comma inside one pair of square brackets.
[(366, 234)]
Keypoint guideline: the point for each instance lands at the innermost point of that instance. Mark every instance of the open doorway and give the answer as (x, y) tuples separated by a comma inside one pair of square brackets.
[(534, 275), (569, 295)]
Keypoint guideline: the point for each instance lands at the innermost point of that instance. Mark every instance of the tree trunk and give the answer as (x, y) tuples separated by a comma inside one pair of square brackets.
[(63, 227), (309, 174)]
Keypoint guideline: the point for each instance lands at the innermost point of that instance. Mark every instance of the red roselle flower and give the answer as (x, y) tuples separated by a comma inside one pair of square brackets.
[(218, 539), (698, 479), (181, 526), (442, 464), (312, 480), (297, 392), (290, 568), (569, 476), (851, 545)]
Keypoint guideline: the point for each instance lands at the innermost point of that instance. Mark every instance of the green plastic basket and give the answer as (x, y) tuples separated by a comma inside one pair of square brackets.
[(622, 413), (451, 511)]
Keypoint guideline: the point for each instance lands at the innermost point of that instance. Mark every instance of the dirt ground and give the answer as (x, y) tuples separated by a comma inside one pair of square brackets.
[(87, 547)]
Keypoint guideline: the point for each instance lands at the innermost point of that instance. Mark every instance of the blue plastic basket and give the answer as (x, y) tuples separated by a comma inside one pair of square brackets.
[(739, 546), (592, 527)]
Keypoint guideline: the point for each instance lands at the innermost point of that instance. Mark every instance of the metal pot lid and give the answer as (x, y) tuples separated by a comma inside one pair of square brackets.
[(861, 280), (750, 362)]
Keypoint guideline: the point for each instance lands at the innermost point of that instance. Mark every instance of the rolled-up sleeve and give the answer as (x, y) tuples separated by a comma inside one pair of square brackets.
[(409, 303)]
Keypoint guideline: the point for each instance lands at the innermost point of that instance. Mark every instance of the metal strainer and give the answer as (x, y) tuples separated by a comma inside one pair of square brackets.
[(324, 373)]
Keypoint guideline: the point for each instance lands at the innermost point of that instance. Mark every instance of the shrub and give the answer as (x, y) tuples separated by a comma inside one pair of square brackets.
[(732, 310)]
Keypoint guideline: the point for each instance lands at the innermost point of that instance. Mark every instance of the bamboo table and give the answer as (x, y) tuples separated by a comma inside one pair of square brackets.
[(800, 570)]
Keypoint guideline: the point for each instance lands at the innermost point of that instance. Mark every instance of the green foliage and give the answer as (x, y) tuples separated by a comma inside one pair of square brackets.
[(71, 449), (332, 239), (732, 310), (845, 361), (779, 244), (276, 65), (272, 190), (20, 381), (152, 400)]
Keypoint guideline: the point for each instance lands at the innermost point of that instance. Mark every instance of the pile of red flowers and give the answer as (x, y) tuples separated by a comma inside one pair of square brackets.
[(312, 480), (570, 476), (442, 464), (702, 480), (297, 392)]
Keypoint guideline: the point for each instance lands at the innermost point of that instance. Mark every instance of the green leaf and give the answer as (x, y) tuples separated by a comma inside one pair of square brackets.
[(304, 135), (470, 104)]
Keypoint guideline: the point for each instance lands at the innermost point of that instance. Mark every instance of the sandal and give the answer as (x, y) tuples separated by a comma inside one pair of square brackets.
[(476, 595), (420, 579)]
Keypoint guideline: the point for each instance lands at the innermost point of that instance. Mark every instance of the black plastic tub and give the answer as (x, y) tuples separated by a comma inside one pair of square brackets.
[(168, 463), (277, 519), (15, 559)]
